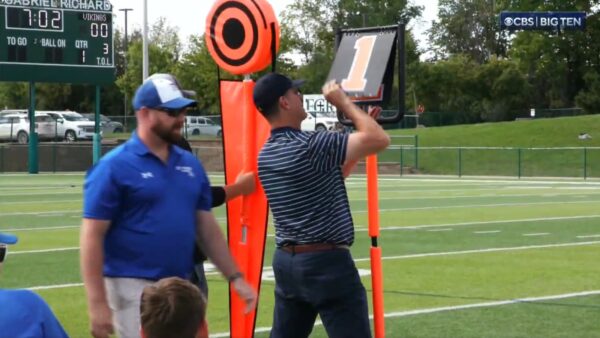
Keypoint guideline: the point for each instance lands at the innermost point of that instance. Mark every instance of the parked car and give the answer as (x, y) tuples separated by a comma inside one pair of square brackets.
[(107, 125), (71, 126), (15, 127), (318, 121), (46, 127), (199, 125), (13, 111)]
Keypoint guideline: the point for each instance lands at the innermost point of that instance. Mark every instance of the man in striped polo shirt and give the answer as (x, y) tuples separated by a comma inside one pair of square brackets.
[(302, 174)]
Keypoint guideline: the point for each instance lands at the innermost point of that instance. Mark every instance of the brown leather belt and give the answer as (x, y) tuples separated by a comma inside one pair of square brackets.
[(302, 248)]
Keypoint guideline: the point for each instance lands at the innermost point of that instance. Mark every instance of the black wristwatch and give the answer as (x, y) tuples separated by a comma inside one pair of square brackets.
[(234, 276)]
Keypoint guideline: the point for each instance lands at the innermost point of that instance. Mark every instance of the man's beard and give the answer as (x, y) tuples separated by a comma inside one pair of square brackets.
[(169, 135)]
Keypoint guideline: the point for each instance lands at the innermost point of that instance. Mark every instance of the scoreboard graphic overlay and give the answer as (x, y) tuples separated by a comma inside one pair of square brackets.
[(57, 41)]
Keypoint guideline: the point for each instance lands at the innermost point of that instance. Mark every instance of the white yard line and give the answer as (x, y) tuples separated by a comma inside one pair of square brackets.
[(39, 213), (537, 234), (44, 192), (40, 202), (424, 190), (210, 270), (60, 286), (514, 181), (462, 206), (487, 232), (43, 251), (489, 304), (440, 230), (42, 188), (411, 198), (48, 174), (451, 308), (479, 251), (447, 253), (60, 227), (359, 228), (588, 236), (521, 220), (41, 228)]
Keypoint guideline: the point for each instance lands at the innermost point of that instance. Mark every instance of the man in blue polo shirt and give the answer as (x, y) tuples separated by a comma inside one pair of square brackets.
[(22, 312), (145, 204), (302, 174)]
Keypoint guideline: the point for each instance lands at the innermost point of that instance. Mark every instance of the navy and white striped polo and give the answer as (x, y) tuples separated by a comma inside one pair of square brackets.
[(302, 177)]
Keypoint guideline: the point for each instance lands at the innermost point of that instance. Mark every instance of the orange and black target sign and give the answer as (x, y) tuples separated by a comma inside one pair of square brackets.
[(241, 35)]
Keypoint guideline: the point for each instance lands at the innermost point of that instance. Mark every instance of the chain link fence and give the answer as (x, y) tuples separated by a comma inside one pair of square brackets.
[(581, 162), (396, 160)]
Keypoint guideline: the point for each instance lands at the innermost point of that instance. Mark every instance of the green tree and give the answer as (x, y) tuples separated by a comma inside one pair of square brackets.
[(503, 90), (14, 95), (166, 38), (164, 51), (197, 71), (467, 27), (589, 98), (448, 86), (556, 62)]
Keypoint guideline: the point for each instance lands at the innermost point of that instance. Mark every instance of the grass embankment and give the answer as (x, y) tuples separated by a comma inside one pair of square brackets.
[(515, 140)]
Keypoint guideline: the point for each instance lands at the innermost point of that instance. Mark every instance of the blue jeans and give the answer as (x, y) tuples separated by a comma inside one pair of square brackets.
[(324, 283)]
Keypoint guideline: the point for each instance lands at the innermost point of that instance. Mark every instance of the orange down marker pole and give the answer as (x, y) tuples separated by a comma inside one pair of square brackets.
[(249, 164), (248, 47), (376, 266)]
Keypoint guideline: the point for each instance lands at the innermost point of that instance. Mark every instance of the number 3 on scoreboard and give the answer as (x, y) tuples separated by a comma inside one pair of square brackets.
[(356, 81), (105, 48)]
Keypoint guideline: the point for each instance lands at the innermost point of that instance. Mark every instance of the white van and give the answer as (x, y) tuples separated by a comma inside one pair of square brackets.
[(71, 126)]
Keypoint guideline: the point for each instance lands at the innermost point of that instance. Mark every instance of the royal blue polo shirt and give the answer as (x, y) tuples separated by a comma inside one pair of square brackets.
[(24, 314), (152, 207), (301, 173)]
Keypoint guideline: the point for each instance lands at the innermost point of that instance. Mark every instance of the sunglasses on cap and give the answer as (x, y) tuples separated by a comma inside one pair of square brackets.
[(3, 250), (173, 112)]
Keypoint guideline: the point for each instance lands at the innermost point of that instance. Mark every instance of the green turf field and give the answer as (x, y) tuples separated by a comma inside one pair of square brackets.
[(462, 258)]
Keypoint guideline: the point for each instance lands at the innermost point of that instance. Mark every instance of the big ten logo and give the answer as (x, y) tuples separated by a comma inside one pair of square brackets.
[(317, 103)]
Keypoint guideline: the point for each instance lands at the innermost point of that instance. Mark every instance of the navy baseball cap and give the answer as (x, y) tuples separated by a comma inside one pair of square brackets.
[(270, 88), (8, 238), (161, 92)]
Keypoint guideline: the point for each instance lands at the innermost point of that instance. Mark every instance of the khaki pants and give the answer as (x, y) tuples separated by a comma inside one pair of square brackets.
[(124, 300)]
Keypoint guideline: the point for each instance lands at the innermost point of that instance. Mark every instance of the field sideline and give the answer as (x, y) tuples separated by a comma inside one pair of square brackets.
[(462, 257)]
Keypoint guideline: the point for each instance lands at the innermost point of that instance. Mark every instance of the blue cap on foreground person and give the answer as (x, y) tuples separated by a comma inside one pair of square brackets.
[(22, 312), (7, 239), (161, 91)]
